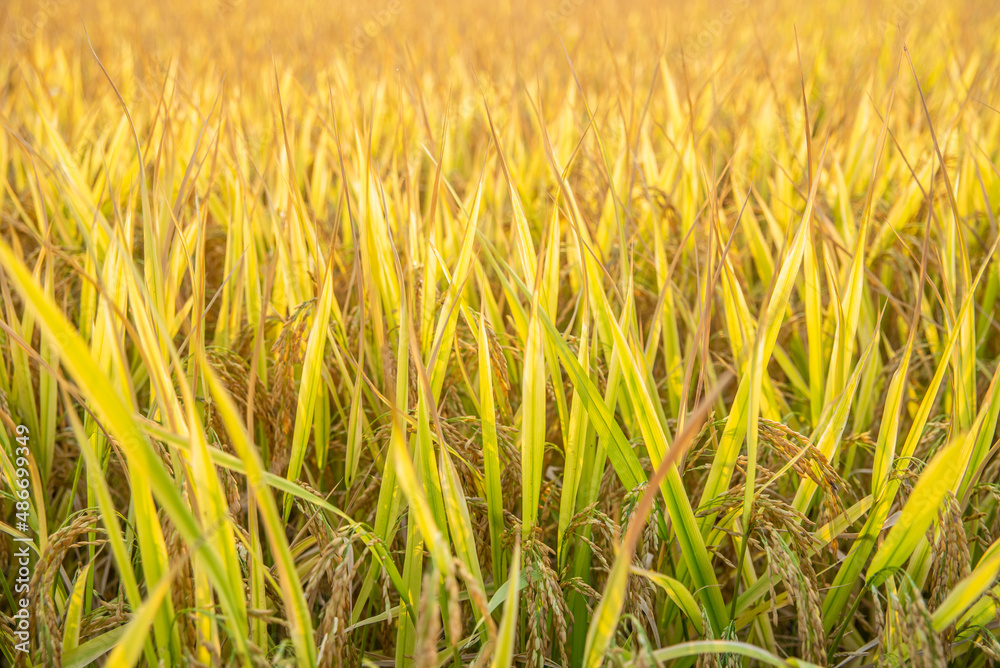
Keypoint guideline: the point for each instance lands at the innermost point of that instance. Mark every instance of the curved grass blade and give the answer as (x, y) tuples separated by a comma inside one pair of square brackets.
[(605, 620)]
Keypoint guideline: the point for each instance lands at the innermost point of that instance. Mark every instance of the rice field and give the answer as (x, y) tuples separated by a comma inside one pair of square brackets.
[(569, 333)]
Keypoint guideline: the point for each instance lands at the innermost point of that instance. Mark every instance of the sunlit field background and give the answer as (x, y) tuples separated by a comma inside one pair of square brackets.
[(500, 333)]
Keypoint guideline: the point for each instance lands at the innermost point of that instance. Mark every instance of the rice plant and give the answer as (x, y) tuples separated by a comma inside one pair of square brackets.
[(493, 334)]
